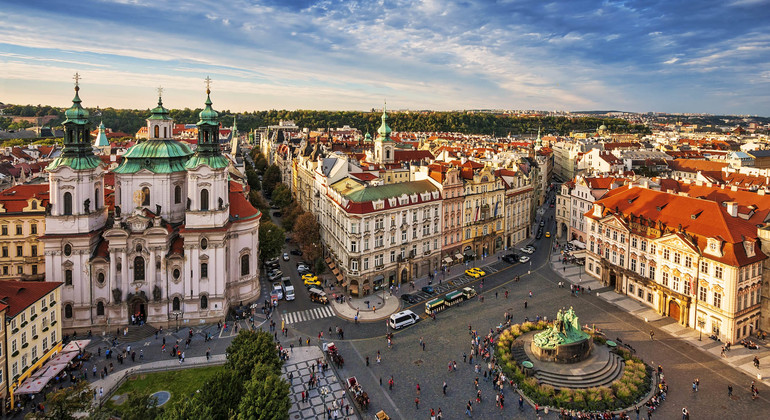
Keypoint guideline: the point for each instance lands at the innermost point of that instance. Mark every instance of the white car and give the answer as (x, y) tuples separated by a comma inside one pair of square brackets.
[(278, 290), (523, 259), (529, 249), (286, 256)]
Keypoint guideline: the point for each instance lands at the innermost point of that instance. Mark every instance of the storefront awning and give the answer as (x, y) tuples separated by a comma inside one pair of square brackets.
[(328, 260), (336, 272), (339, 276), (459, 256), (578, 244), (76, 345), (378, 278), (448, 260), (32, 386), (332, 266)]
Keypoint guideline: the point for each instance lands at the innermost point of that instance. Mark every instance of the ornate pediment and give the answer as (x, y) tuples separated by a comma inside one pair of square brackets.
[(676, 242), (138, 222)]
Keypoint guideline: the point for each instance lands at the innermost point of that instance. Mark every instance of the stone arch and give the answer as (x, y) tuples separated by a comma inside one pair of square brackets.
[(156, 131), (67, 208)]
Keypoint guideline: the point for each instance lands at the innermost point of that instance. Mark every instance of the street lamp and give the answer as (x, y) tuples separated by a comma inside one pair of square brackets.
[(701, 324)]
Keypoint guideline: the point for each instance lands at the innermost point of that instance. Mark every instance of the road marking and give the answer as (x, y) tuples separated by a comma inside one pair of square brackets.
[(308, 314), (146, 343)]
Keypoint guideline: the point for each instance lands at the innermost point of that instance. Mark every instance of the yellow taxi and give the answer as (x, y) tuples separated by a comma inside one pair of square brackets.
[(311, 280), (548, 234), (475, 272)]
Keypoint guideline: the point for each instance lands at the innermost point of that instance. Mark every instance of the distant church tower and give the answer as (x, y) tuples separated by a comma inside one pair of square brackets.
[(383, 144)]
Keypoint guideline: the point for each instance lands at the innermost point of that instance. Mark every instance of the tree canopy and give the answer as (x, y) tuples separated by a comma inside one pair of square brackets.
[(271, 239), (250, 348), (65, 403), (266, 396)]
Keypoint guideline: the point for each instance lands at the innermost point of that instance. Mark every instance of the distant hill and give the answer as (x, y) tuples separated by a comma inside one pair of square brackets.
[(594, 112)]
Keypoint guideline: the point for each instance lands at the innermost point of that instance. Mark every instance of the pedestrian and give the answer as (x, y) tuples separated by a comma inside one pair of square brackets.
[(652, 335), (469, 409), (367, 361), (443, 388), (530, 294), (495, 295), (694, 387), (417, 403), (525, 304), (390, 384), (465, 357), (729, 390), (378, 357), (208, 353), (521, 403), (418, 388), (303, 396), (685, 414)]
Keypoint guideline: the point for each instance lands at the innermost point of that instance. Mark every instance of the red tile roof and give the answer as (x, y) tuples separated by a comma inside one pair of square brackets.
[(177, 247), (240, 208), (412, 155), (364, 176), (14, 199), (694, 165), (20, 295)]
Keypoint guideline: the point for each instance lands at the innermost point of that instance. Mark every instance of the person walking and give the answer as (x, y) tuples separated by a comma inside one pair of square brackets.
[(443, 388), (525, 304), (685, 414), (417, 388), (417, 403), (729, 390), (390, 384), (469, 409), (652, 335)]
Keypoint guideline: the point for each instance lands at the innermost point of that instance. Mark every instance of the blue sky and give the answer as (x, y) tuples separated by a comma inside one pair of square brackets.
[(670, 56)]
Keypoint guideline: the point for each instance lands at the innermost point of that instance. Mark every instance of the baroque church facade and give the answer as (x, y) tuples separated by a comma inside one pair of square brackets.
[(178, 243)]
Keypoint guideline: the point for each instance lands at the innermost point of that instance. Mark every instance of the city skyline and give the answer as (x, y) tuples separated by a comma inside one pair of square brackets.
[(343, 55)]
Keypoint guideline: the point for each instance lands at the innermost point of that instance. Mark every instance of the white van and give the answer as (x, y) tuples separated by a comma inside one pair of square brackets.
[(288, 289), (402, 319)]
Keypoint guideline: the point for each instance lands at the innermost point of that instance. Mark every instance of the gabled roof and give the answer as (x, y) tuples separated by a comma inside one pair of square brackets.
[(15, 199), (20, 295)]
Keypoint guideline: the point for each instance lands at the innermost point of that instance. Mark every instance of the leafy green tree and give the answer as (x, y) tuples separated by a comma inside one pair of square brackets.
[(260, 163), (223, 393), (266, 396), (270, 180), (64, 403), (140, 406), (271, 239), (187, 409), (252, 178), (282, 196), (307, 233), (249, 349)]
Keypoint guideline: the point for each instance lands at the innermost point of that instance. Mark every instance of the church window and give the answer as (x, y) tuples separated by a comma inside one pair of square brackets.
[(68, 311), (204, 243), (68, 277), (387, 153), (100, 278), (138, 269), (204, 302), (204, 270), (100, 309), (245, 265), (204, 200), (177, 194), (175, 306), (165, 132), (67, 250), (145, 196), (176, 274), (68, 204), (157, 131), (96, 199)]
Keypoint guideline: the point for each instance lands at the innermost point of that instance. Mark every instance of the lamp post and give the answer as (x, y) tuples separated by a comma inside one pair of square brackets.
[(701, 324)]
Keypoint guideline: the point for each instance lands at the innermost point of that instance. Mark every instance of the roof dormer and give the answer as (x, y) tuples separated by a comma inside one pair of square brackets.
[(714, 247)]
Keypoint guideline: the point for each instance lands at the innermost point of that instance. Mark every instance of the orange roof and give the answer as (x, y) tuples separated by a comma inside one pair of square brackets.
[(14, 199), (694, 165), (240, 208), (20, 295)]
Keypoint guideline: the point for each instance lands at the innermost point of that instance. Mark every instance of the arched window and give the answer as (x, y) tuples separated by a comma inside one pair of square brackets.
[(177, 194), (204, 270), (138, 269), (387, 153), (204, 200), (165, 132), (145, 196), (67, 250), (96, 199), (245, 265), (68, 204), (175, 305), (100, 278), (68, 277), (176, 274), (100, 309), (157, 131), (68, 311), (204, 302)]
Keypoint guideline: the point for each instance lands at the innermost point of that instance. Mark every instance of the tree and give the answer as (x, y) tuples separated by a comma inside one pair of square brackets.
[(271, 240), (271, 178), (282, 196), (64, 403), (307, 232), (188, 408), (290, 215), (260, 163), (140, 405), (252, 178), (223, 393), (266, 396), (249, 349)]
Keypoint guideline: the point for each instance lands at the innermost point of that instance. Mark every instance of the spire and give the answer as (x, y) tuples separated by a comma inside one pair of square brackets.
[(384, 130), (538, 141), (77, 152), (208, 152), (101, 138), (159, 112)]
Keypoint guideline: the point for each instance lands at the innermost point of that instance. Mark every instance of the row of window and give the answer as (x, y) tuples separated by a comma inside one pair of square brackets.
[(19, 251), (379, 258), (176, 304), (6, 270), (25, 360), (20, 227)]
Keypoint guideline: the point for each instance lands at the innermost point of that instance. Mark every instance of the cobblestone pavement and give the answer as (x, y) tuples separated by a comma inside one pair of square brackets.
[(301, 365)]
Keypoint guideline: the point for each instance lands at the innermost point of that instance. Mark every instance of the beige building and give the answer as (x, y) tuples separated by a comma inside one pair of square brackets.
[(22, 221)]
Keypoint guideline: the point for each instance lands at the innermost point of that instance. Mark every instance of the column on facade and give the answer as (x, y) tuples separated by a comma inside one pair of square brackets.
[(219, 254), (150, 273), (112, 278)]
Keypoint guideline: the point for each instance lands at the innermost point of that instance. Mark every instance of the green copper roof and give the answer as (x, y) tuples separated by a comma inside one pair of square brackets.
[(157, 156), (208, 115), (368, 137), (159, 113), (358, 193), (213, 162), (101, 138), (76, 114), (77, 163), (384, 129)]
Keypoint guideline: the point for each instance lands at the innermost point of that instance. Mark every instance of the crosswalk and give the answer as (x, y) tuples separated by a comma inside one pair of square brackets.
[(308, 314)]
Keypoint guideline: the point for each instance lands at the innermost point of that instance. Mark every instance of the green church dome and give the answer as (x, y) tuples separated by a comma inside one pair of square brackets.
[(157, 156), (76, 114)]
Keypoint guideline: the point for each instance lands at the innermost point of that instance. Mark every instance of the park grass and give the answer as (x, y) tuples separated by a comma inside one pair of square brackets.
[(178, 382)]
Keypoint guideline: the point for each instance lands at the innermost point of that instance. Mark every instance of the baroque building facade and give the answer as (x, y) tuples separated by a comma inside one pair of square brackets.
[(178, 242)]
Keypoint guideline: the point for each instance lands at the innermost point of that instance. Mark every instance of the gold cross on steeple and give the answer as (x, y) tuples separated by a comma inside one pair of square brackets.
[(207, 80), (160, 91), (77, 80)]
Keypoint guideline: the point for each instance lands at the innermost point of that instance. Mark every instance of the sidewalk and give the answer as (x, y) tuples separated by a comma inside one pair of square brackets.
[(738, 357), (329, 394)]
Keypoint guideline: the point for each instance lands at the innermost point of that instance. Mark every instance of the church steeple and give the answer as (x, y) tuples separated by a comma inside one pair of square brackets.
[(538, 141), (77, 152), (384, 130), (208, 152), (383, 144)]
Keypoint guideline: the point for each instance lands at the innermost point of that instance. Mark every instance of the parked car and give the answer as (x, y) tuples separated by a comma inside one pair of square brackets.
[(542, 223), (548, 234), (524, 259), (278, 290), (272, 261), (286, 256), (539, 234), (296, 252), (303, 270), (409, 298), (429, 290), (311, 280), (288, 288), (529, 249), (511, 258), (475, 272)]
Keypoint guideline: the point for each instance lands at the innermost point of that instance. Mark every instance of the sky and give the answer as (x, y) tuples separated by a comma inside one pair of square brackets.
[(705, 56)]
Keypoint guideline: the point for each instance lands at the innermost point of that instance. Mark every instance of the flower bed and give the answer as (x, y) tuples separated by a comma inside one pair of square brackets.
[(632, 386)]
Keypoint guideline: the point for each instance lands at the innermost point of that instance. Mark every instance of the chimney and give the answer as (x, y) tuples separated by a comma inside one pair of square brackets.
[(732, 208)]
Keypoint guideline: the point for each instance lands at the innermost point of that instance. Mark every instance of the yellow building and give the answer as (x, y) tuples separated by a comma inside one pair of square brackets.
[(22, 221), (32, 328), (483, 210)]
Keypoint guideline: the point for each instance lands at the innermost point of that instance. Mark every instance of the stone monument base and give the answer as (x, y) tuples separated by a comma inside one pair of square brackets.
[(565, 353)]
